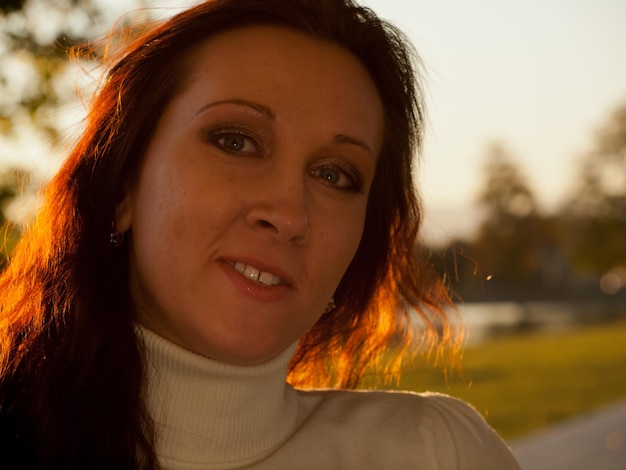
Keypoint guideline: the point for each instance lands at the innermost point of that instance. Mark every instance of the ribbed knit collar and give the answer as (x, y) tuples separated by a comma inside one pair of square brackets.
[(213, 415)]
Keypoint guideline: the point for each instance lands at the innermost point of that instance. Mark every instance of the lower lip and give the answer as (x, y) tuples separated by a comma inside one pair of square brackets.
[(253, 289)]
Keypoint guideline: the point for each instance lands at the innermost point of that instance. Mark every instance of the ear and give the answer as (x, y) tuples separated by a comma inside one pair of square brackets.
[(123, 214)]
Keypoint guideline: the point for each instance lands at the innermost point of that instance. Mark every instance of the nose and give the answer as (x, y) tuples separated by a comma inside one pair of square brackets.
[(279, 207)]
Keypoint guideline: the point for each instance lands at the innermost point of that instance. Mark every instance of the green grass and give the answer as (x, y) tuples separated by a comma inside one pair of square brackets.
[(524, 382)]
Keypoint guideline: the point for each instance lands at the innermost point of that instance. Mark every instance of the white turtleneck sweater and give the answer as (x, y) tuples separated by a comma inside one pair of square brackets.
[(210, 415)]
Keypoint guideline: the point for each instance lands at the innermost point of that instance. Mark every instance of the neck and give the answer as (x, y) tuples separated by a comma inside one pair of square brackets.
[(209, 412)]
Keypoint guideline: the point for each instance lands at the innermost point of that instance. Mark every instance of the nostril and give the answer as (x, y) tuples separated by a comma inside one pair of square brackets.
[(265, 223), (282, 221)]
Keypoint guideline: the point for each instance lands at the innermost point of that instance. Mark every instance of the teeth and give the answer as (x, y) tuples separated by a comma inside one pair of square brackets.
[(266, 278), (261, 277), (251, 273)]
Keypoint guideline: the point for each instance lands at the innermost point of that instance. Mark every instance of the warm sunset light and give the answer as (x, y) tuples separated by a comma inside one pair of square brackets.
[(195, 223)]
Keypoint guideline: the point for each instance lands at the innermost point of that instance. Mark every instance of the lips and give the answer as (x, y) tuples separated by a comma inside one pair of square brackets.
[(260, 277)]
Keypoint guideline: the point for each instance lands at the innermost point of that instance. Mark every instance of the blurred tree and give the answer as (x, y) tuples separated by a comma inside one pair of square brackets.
[(506, 238), (11, 181), (597, 209), (519, 252), (8, 190), (506, 196), (516, 252), (601, 188), (38, 82), (36, 77), (35, 83), (8, 6)]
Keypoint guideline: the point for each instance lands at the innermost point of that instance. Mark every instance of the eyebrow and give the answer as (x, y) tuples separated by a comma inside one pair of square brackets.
[(269, 113), (265, 111), (346, 139)]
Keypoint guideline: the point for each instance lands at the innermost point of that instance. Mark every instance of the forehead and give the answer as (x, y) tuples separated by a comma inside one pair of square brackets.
[(264, 61), (272, 42)]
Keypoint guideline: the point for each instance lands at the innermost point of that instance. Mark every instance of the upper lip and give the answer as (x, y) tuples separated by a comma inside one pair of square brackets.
[(262, 266)]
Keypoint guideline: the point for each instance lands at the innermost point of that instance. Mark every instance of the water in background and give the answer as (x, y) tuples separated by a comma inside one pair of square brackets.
[(488, 319)]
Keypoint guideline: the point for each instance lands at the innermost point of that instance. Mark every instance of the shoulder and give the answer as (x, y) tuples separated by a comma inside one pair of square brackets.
[(429, 427), (457, 426), (434, 409)]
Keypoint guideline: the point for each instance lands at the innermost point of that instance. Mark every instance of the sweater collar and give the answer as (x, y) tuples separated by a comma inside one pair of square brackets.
[(212, 414)]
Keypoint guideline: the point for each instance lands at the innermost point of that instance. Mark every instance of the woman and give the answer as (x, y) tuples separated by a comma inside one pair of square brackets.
[(239, 207)]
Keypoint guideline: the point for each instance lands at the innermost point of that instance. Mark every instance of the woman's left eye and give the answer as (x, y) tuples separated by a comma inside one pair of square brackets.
[(347, 180)]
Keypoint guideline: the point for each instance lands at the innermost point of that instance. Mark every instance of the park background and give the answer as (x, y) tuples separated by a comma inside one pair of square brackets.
[(523, 176)]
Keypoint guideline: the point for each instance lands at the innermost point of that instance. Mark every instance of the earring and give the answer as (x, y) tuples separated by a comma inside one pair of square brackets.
[(331, 306), (116, 239)]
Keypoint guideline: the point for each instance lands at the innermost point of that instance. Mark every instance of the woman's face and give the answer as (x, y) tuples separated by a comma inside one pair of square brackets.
[(251, 198)]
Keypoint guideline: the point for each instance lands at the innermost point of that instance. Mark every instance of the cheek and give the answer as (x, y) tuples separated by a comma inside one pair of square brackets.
[(164, 193), (345, 235), (158, 218)]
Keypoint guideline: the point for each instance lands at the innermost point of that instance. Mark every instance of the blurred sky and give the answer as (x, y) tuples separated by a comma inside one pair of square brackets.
[(536, 75)]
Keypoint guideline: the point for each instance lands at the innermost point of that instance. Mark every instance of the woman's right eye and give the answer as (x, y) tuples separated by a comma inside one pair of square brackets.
[(235, 143)]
